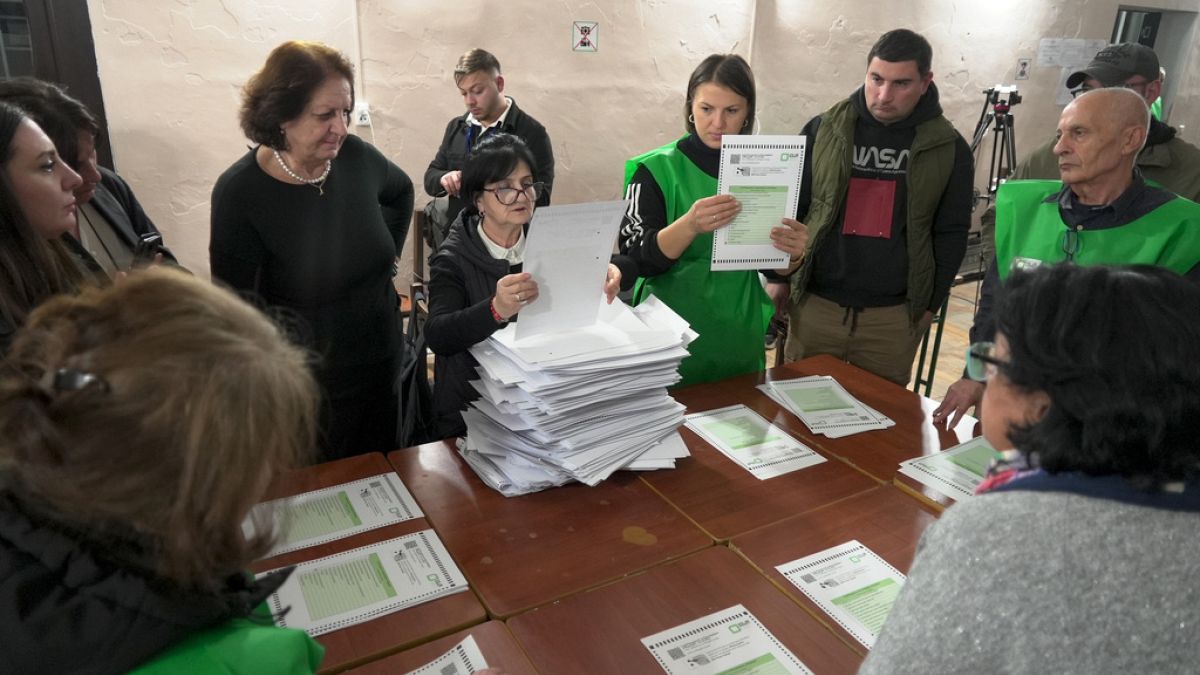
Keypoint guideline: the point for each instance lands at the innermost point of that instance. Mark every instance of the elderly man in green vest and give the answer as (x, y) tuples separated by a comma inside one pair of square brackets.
[(886, 197), (1102, 212)]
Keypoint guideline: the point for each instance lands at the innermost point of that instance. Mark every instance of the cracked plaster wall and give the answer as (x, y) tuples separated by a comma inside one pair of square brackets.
[(171, 73)]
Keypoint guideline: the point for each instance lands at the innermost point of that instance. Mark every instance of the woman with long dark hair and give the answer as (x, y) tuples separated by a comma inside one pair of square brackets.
[(674, 210), (37, 208)]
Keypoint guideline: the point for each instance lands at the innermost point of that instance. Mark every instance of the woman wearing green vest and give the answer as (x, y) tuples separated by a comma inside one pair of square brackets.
[(139, 425), (673, 212)]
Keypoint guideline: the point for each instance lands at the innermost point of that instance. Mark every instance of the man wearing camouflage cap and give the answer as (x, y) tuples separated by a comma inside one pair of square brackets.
[(1167, 159)]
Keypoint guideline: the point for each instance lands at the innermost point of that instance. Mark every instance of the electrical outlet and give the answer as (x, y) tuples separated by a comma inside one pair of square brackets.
[(362, 114)]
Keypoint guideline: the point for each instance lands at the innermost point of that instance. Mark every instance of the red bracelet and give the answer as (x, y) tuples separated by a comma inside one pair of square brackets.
[(495, 314)]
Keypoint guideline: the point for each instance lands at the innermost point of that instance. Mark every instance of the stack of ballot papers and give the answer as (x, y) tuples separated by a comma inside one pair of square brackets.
[(578, 404), (825, 406)]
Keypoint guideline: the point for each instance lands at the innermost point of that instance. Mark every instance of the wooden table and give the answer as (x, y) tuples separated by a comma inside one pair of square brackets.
[(391, 632), (522, 552), (876, 453), (496, 643), (884, 520), (725, 499), (600, 631)]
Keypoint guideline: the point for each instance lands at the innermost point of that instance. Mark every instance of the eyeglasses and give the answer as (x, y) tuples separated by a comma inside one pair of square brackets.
[(981, 365), (1139, 87), (1071, 243), (508, 195)]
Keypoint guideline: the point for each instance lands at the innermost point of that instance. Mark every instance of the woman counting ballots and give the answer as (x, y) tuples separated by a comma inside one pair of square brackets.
[(476, 285), (673, 212), (1079, 553), (139, 424), (309, 223)]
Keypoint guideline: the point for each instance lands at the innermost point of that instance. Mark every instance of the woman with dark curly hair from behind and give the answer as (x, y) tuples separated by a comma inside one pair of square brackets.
[(139, 424), (1082, 554)]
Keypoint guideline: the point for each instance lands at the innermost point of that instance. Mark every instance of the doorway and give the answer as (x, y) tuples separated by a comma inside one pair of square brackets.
[(1168, 33), (52, 41)]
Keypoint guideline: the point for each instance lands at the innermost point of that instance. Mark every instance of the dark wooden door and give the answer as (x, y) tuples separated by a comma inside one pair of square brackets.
[(52, 40)]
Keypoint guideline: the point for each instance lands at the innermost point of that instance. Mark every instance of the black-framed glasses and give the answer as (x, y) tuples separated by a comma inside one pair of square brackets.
[(981, 365), (1139, 87), (1071, 243), (508, 195)]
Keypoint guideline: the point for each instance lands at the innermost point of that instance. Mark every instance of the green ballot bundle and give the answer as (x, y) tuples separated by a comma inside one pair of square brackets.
[(355, 586)]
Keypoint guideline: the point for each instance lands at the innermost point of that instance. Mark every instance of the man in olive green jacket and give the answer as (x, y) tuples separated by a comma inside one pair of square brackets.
[(886, 196)]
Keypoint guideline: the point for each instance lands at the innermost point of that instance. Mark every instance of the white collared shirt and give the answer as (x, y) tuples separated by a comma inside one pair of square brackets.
[(514, 255), (499, 120)]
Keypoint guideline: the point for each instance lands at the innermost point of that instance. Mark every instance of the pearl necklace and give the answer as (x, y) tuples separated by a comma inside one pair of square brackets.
[(318, 182)]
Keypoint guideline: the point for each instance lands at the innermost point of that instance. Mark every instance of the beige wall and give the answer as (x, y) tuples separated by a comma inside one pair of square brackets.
[(171, 71)]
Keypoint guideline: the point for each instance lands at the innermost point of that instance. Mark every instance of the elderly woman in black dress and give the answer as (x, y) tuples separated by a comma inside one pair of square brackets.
[(310, 221)]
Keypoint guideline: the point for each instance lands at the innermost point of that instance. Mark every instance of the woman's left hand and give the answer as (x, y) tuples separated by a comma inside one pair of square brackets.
[(612, 282), (791, 238)]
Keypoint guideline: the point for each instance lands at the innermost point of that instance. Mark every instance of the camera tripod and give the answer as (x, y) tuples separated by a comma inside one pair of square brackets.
[(997, 115)]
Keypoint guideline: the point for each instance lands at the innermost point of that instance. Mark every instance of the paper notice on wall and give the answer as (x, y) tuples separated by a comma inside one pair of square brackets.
[(1068, 52)]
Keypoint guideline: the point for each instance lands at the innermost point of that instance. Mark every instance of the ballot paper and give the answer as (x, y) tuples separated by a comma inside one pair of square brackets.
[(849, 583), (335, 512), (955, 472), (753, 443), (729, 641), (348, 588), (567, 254), (825, 406), (763, 173), (578, 404), (463, 658)]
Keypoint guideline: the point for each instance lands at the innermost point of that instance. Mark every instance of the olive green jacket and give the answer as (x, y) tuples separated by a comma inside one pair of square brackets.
[(931, 163)]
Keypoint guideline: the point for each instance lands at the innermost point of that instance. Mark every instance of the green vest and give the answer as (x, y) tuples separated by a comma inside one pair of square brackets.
[(252, 645), (730, 310), (1030, 231), (930, 163)]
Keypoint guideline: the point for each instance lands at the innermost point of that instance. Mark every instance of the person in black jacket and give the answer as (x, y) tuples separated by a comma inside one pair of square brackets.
[(142, 424), (489, 111), (476, 284), (112, 227)]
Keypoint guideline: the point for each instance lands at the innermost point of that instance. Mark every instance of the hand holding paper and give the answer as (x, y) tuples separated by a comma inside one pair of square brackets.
[(612, 283), (714, 212), (514, 291), (791, 238)]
